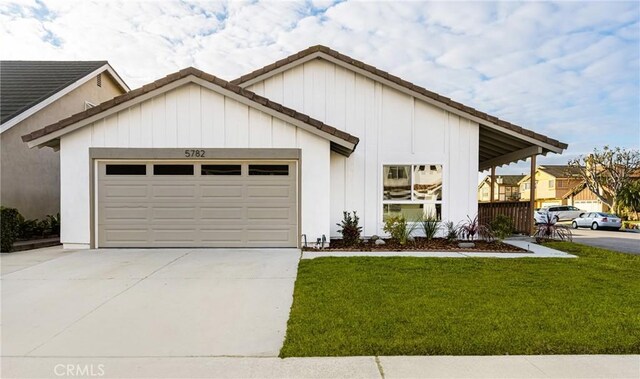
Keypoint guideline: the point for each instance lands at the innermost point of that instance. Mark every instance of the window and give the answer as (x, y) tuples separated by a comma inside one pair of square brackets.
[(172, 169), (412, 191), (561, 184), (551, 183), (268, 169), (526, 186), (221, 169), (126, 169)]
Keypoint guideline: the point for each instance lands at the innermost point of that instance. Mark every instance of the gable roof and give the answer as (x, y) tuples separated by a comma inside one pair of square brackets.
[(501, 142), (507, 180), (341, 142), (560, 171), (26, 84)]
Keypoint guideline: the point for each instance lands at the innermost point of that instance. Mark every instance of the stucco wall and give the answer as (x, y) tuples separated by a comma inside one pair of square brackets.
[(394, 128), (30, 178), (190, 116)]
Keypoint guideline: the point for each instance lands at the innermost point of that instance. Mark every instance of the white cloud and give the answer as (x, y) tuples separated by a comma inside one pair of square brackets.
[(568, 69)]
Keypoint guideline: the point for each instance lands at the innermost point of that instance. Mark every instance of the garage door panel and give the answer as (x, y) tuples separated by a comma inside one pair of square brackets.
[(221, 191), (222, 236), (173, 191), (260, 191), (197, 210), (124, 213), (174, 213), (126, 235), (123, 190), (261, 214)]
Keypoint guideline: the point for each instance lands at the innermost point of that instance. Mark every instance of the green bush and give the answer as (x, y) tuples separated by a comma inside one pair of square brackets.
[(430, 226), (350, 229), (10, 221), (502, 227), (54, 224), (33, 228), (398, 229), (451, 231)]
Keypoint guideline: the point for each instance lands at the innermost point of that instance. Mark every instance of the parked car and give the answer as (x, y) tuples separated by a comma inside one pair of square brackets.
[(558, 213), (597, 220)]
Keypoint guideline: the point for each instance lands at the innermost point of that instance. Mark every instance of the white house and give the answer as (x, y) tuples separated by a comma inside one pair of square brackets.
[(273, 157)]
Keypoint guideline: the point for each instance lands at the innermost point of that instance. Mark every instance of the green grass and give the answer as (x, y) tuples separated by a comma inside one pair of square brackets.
[(429, 306)]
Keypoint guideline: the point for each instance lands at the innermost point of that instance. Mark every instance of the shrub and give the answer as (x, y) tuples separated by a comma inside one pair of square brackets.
[(10, 220), (430, 226), (350, 229), (549, 230), (502, 226), (54, 223), (472, 228), (33, 228), (398, 229), (451, 231)]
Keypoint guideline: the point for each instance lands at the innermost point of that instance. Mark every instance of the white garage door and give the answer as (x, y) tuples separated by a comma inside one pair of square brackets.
[(197, 204), (588, 205)]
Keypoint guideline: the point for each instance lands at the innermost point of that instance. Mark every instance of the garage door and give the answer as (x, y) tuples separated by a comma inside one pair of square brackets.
[(588, 205), (197, 204)]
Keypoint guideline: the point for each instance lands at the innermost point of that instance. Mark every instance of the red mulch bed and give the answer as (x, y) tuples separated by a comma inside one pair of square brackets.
[(421, 244)]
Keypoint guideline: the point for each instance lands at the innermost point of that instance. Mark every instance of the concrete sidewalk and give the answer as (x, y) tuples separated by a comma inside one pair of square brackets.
[(549, 366)]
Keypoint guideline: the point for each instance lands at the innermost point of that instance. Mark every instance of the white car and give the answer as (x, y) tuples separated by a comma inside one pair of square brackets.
[(597, 220), (558, 213)]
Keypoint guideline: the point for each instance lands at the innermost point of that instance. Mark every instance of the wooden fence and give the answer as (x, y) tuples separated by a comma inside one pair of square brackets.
[(518, 211)]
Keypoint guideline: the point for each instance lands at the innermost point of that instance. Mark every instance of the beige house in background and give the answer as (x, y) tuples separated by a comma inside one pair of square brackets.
[(506, 188), (34, 94), (552, 184)]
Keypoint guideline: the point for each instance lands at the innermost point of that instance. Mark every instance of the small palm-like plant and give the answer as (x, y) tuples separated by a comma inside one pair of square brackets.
[(350, 229), (450, 231), (549, 230), (472, 228)]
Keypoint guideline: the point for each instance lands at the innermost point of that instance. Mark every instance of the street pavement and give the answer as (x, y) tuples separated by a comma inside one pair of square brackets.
[(625, 242)]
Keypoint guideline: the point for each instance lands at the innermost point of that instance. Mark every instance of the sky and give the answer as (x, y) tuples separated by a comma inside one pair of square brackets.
[(569, 70)]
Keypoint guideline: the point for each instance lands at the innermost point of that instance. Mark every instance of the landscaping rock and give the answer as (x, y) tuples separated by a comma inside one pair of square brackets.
[(466, 245), (379, 242), (374, 238)]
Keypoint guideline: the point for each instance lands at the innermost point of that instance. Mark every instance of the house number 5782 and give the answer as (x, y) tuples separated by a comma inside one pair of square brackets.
[(194, 153)]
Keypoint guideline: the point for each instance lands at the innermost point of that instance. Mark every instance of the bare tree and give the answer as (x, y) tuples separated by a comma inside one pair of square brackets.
[(606, 172)]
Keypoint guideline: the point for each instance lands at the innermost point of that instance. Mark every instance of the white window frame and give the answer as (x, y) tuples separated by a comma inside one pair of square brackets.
[(411, 165)]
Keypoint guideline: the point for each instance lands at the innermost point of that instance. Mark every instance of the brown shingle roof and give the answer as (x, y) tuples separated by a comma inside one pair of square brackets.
[(561, 171), (413, 87), (180, 75)]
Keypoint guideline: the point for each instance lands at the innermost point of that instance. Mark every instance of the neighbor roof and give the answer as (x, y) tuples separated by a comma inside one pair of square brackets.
[(288, 112), (509, 180), (560, 171), (24, 84)]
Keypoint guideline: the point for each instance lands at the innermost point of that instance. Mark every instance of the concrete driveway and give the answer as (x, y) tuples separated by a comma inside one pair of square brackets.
[(146, 303), (625, 242)]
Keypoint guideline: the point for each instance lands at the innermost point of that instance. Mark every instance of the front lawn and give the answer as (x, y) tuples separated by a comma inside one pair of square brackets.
[(438, 306)]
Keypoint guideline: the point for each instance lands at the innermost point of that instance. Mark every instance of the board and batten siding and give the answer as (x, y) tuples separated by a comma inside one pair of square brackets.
[(393, 127), (190, 116)]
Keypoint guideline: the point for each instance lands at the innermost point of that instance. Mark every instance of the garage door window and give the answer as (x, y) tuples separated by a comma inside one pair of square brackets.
[(221, 169), (126, 169), (172, 169), (268, 169)]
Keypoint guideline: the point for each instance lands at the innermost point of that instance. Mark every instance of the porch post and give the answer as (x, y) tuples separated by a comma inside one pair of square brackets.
[(532, 191), (492, 183)]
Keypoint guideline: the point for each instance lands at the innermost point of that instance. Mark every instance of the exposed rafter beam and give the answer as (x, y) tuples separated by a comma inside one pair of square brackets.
[(511, 157)]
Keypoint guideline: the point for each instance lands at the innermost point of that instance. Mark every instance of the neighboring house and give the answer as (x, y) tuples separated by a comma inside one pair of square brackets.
[(34, 94), (552, 184), (581, 197), (273, 157), (505, 188)]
